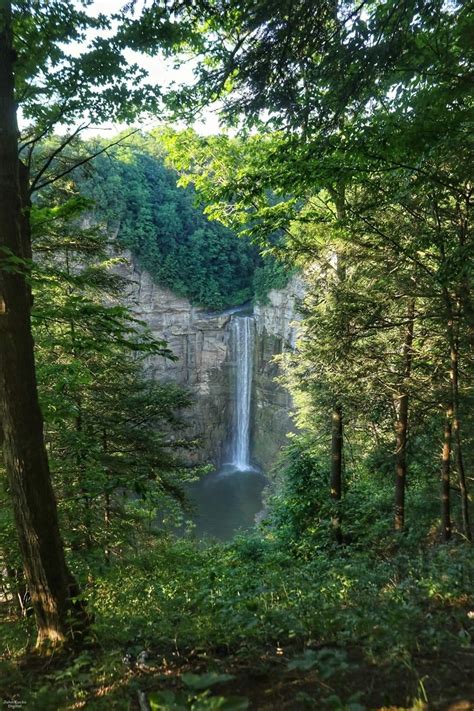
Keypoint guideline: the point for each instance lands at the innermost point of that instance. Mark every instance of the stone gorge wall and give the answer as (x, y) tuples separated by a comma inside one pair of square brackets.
[(201, 343), (277, 324)]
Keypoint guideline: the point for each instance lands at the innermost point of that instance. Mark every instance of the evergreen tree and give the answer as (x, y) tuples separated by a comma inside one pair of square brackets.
[(355, 126), (110, 432)]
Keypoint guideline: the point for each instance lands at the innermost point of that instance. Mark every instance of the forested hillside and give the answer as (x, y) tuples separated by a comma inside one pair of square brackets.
[(345, 156), (166, 230), (136, 198)]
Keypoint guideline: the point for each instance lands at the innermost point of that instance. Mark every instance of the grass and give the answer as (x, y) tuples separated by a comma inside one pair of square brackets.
[(345, 629)]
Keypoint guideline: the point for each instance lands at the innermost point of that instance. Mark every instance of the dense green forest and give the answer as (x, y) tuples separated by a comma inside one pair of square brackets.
[(161, 224), (135, 196), (345, 156)]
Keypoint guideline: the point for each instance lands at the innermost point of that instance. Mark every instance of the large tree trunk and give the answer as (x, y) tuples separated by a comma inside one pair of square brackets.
[(51, 586), (336, 471), (453, 339), (445, 477), (402, 423)]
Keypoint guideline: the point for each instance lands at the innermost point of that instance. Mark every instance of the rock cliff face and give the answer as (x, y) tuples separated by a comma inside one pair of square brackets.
[(277, 326), (201, 342)]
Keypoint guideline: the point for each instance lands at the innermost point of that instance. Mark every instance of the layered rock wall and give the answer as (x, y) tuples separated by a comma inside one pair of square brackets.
[(201, 342), (277, 327)]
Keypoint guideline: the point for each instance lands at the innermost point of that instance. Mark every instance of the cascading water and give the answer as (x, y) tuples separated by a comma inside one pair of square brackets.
[(242, 339), (228, 500)]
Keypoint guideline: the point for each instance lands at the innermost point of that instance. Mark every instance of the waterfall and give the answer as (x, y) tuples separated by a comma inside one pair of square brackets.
[(243, 337)]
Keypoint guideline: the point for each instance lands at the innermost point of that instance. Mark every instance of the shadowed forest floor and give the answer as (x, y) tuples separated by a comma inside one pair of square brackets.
[(246, 625), (255, 682)]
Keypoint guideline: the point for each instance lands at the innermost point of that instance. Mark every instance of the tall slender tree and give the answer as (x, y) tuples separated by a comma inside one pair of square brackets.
[(52, 88), (59, 612), (402, 408)]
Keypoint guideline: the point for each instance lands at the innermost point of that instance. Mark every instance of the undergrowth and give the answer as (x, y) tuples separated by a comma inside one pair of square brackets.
[(251, 603)]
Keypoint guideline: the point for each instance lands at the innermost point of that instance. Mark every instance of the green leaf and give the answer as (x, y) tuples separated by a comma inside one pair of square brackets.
[(167, 701), (221, 703), (307, 661), (204, 681)]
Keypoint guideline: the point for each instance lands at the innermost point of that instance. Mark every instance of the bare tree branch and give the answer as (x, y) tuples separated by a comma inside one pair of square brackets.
[(36, 187)]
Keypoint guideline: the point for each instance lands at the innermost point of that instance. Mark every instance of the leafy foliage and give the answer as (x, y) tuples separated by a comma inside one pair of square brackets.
[(138, 197), (373, 206), (260, 606), (111, 433), (362, 182)]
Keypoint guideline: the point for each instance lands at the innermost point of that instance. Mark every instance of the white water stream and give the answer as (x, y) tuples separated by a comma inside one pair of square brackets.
[(229, 500), (242, 341)]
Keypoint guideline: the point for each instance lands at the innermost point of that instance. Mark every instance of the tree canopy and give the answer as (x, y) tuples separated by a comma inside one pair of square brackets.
[(346, 158), (161, 224)]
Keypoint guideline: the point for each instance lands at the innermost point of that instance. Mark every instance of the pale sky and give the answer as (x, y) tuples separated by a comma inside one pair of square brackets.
[(160, 72)]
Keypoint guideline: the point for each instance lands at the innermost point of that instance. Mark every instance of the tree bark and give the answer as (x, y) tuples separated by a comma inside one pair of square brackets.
[(337, 423), (445, 477), (107, 507), (51, 586), (454, 376), (336, 470), (402, 422)]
